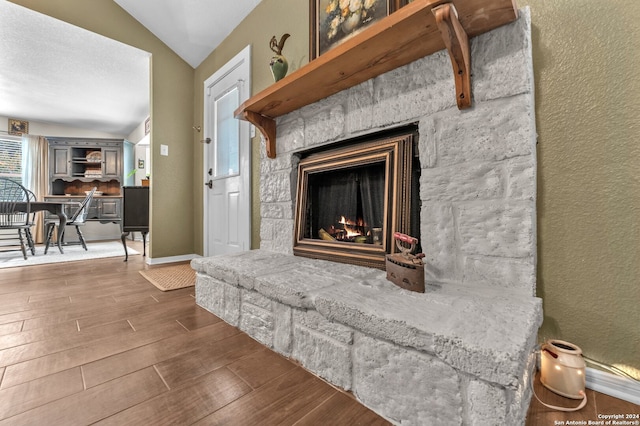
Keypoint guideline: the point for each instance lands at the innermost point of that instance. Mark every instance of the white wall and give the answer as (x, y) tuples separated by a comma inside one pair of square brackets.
[(49, 129), (141, 152)]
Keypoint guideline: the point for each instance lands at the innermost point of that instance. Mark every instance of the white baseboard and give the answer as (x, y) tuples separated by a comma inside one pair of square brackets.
[(612, 385), (171, 259)]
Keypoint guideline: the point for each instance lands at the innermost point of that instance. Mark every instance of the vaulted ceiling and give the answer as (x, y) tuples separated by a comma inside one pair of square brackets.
[(192, 28)]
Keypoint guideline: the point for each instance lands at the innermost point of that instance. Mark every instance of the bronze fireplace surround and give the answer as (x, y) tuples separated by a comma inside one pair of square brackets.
[(351, 199)]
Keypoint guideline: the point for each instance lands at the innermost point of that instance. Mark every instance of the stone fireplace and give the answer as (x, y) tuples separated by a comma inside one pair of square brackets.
[(461, 353)]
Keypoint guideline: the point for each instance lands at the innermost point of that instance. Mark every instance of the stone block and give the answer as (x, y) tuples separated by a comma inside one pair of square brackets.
[(283, 329), (490, 131), (521, 178), (229, 267), (413, 91), (324, 126), (438, 239), (276, 210), (284, 162), (257, 299), (409, 387), (314, 321), (486, 404), (282, 241), (276, 187), (257, 323), (210, 294), (323, 356), (506, 273), (462, 182), (359, 115), (380, 309), (502, 60), (472, 332), (519, 399), (290, 136), (497, 229), (427, 148), (269, 263), (294, 286), (494, 330), (232, 304), (219, 298), (321, 106), (267, 227), (214, 267)]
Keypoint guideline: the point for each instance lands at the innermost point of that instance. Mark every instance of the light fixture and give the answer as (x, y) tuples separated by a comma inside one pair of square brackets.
[(562, 368), (562, 371), (197, 128)]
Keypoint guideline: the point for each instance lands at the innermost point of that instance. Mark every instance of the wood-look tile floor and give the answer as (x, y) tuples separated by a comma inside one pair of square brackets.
[(93, 342), (598, 405)]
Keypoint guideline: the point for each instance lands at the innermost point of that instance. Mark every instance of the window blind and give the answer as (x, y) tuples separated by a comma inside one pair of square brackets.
[(11, 159)]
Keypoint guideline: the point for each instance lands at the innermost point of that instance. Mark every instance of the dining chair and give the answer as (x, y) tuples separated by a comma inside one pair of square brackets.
[(32, 222), (78, 219), (12, 218)]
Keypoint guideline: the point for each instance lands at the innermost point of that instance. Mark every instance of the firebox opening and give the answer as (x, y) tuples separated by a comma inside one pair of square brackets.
[(353, 197), (347, 205)]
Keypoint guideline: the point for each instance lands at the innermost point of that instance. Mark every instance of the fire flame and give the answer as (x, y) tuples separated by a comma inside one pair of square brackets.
[(349, 227)]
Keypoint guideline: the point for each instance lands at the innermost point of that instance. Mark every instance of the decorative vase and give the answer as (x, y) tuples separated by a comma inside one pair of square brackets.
[(278, 64), (279, 67), (351, 23)]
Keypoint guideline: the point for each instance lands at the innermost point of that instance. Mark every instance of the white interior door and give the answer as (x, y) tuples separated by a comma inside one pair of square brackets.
[(227, 194)]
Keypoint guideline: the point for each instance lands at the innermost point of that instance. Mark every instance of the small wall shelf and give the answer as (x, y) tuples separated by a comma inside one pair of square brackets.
[(412, 32)]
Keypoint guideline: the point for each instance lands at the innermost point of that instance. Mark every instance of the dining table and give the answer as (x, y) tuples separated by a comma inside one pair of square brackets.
[(54, 207)]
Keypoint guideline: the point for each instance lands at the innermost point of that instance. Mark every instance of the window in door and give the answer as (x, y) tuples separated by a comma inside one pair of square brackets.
[(227, 138)]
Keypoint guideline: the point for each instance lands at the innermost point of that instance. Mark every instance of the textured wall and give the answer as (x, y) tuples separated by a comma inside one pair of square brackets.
[(585, 57), (477, 188)]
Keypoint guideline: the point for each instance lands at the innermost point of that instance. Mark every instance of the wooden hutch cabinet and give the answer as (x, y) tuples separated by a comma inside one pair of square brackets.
[(77, 165)]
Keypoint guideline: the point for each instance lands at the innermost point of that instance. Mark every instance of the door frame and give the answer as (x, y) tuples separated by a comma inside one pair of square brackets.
[(242, 62)]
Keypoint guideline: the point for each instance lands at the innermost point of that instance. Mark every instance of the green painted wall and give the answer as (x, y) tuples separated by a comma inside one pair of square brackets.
[(171, 112), (585, 55)]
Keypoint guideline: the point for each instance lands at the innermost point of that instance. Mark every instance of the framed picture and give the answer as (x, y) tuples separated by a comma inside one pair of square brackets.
[(147, 126), (18, 127), (334, 21), (140, 163)]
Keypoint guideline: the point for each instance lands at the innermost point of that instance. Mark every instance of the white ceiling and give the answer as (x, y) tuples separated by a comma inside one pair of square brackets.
[(54, 72), (191, 28)]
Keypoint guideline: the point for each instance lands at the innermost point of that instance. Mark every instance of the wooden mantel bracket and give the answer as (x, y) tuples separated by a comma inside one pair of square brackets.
[(457, 42), (266, 126)]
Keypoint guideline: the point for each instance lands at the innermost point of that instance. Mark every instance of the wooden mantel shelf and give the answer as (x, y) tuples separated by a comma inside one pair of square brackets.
[(419, 29)]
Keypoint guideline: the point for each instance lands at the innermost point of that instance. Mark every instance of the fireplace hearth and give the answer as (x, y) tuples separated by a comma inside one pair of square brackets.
[(351, 199), (459, 353)]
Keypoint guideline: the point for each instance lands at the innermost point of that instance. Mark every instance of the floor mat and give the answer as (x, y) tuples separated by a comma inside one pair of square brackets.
[(171, 277)]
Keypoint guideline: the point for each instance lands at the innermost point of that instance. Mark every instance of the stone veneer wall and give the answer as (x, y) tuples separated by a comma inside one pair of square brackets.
[(461, 352), (478, 183)]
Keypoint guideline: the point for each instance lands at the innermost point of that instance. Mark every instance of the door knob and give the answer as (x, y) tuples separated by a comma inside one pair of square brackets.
[(209, 184)]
